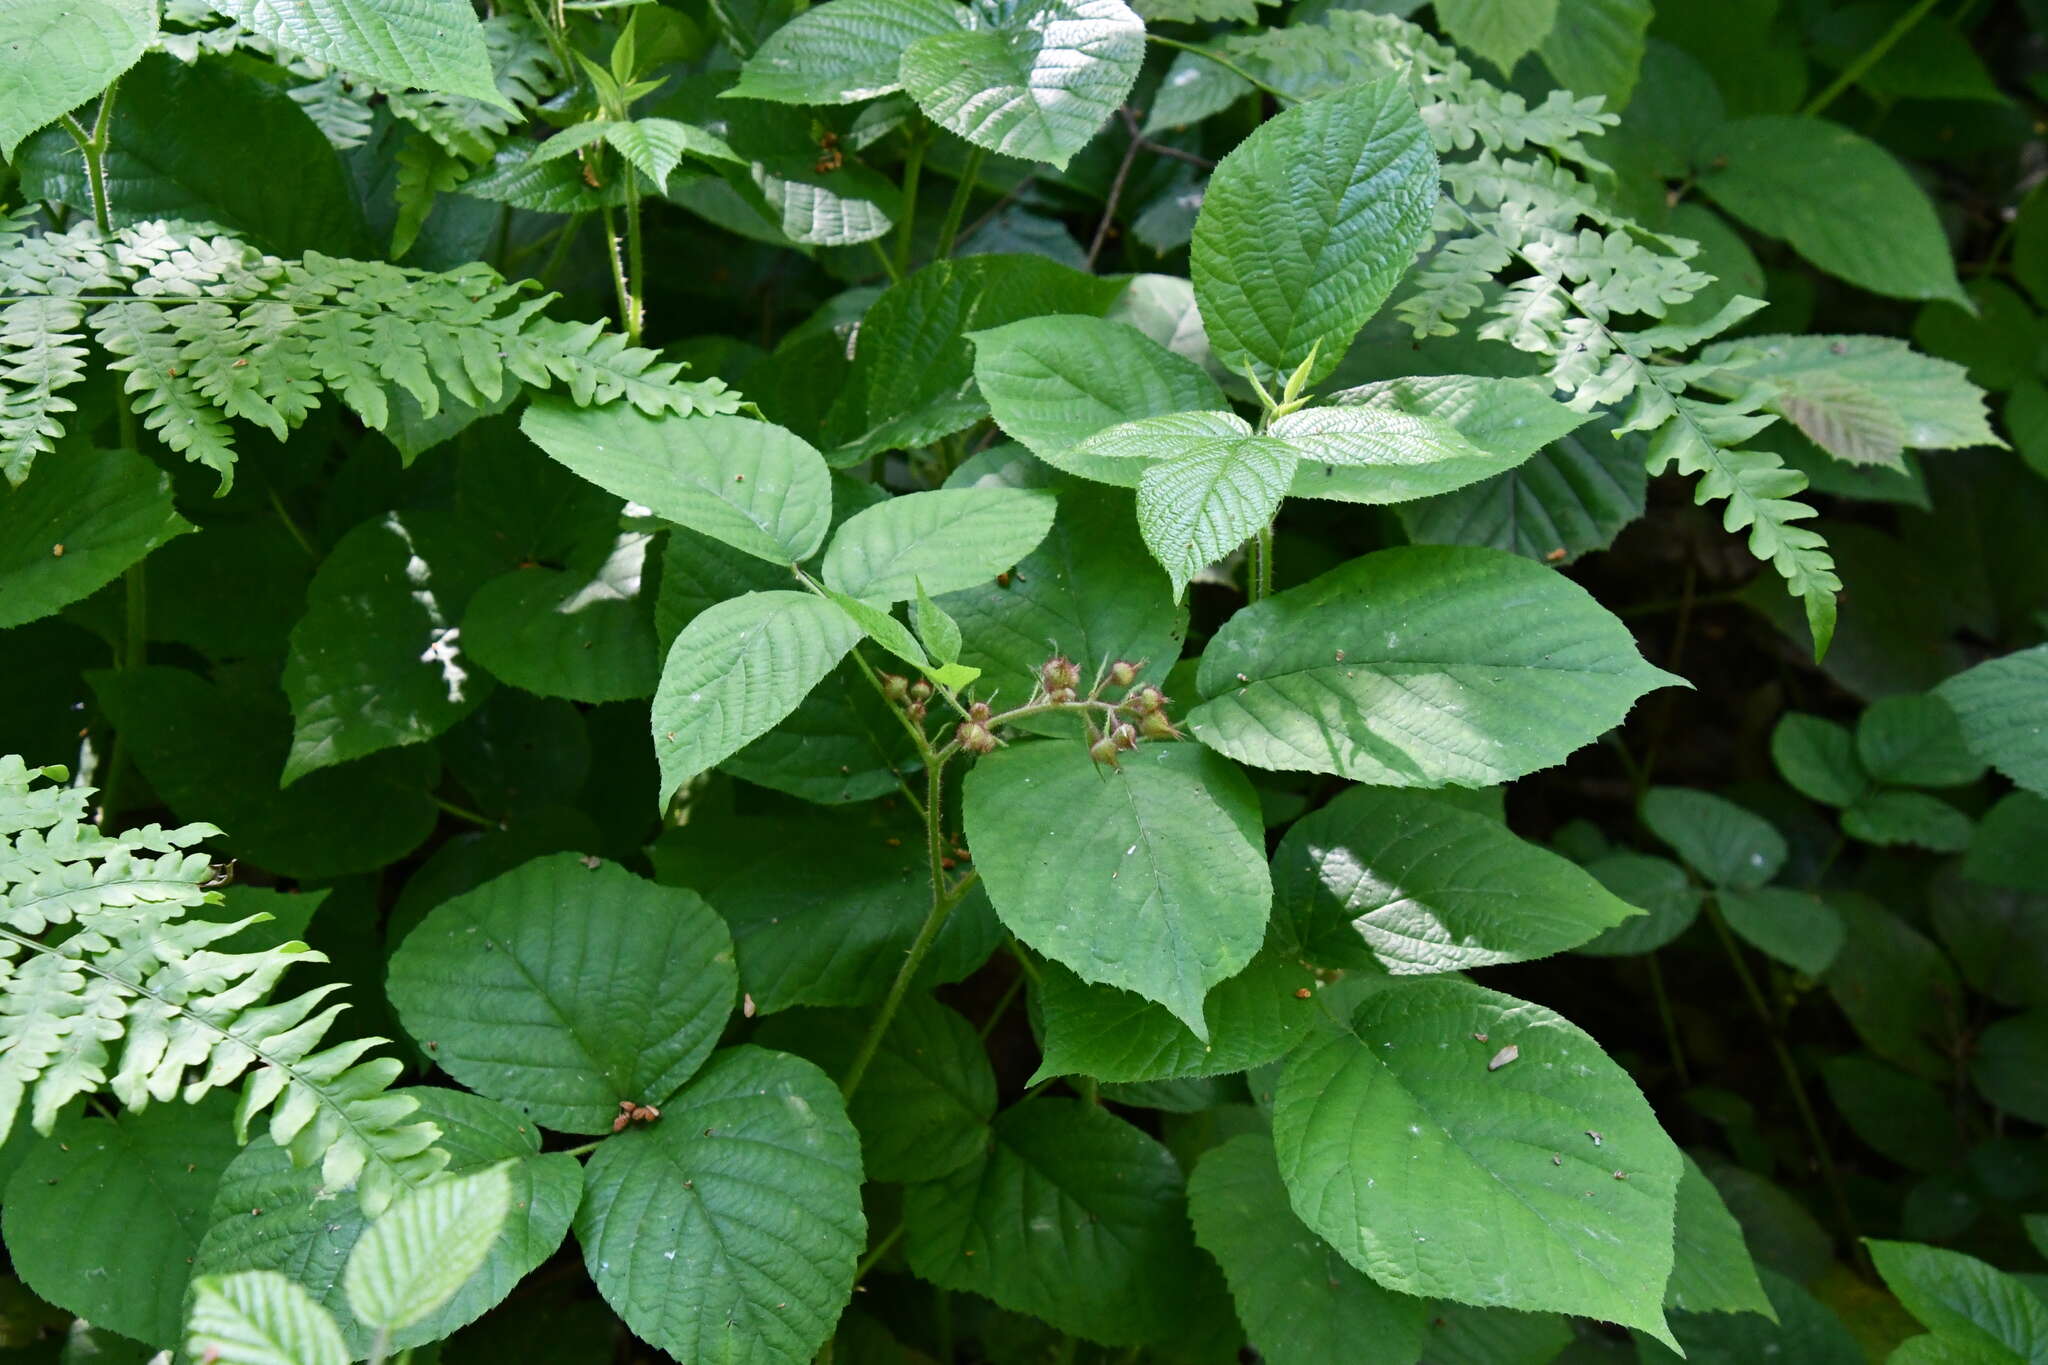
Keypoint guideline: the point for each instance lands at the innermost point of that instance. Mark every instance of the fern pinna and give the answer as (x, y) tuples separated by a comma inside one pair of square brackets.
[(205, 328), (112, 976)]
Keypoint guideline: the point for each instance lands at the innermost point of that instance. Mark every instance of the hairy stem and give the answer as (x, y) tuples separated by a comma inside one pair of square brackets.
[(636, 270), (622, 289), (1260, 573), (1801, 1100), (963, 190), (1869, 57)]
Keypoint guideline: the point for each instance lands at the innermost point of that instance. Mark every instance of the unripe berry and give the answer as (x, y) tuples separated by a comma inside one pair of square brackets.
[(1125, 736), (978, 712), (1145, 700), (895, 687), (1123, 673), (915, 710), (920, 690), (975, 738), (1058, 674), (1155, 725), (1103, 750)]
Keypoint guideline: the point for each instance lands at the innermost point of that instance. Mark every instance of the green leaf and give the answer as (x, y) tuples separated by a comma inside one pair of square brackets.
[(104, 1216), (1818, 757), (752, 485), (1806, 1330), (398, 44), (844, 743), (728, 1229), (2002, 706), (2007, 849), (1300, 1303), (76, 524), (215, 754), (258, 1317), (1913, 740), (1193, 88), (652, 146), (1961, 1297), (1307, 225), (1902, 1116), (1894, 984), (1034, 79), (1711, 1271), (1915, 818), (420, 1251), (61, 54), (164, 160), (309, 1232), (823, 931), (377, 660), (1204, 502), (1730, 847), (946, 539), (924, 1103), (1071, 1215), (1052, 382), (938, 632), (1421, 666), (1501, 31), (584, 634), (1795, 927), (1150, 877), (735, 672), (1596, 47), (879, 625), (1089, 591), (1656, 885), (1573, 496), (2011, 1068), (499, 984), (843, 52), (1439, 1174), (1253, 1018), (1432, 434), (1841, 200), (1408, 883)]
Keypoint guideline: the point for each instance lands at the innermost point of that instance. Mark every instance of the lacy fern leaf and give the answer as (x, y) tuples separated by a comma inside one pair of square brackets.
[(107, 983), (206, 330)]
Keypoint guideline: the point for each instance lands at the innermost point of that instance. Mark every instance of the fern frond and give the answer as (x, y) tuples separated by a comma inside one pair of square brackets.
[(206, 329), (106, 983)]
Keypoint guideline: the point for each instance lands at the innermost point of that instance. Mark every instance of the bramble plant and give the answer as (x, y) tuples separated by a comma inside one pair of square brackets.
[(974, 682)]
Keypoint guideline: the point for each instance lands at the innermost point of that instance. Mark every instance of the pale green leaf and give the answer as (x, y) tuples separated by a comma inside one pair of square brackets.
[(1818, 757), (1914, 740), (1711, 1271), (1888, 818), (1505, 420), (1052, 382), (377, 661), (727, 1230), (1253, 1018), (843, 52), (1839, 199), (1071, 1215), (752, 485), (1543, 1182), (499, 981), (1596, 47), (1409, 883), (1797, 928), (1307, 225), (1422, 666), (1204, 502), (946, 539), (258, 1317), (1501, 31), (76, 524), (2002, 705), (936, 631), (418, 1252), (399, 44), (1730, 847), (1386, 456), (1300, 1303), (1034, 80), (1960, 1296), (738, 669), (1165, 436), (1150, 877), (879, 625), (61, 53)]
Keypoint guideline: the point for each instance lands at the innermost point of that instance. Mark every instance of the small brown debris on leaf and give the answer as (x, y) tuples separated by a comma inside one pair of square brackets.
[(1303, 993)]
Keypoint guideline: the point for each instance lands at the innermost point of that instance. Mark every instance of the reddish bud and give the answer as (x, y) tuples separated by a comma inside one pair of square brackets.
[(1058, 674), (1123, 673), (920, 690), (975, 738), (1125, 736), (978, 712), (1146, 699), (895, 687), (915, 710)]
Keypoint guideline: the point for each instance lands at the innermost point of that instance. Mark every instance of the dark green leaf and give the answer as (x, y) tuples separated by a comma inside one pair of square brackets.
[(1727, 845), (82, 517)]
